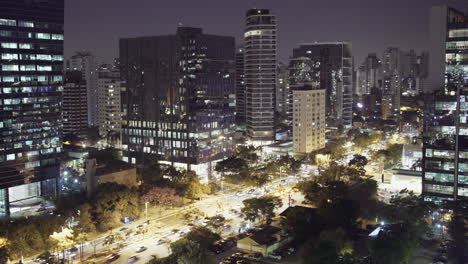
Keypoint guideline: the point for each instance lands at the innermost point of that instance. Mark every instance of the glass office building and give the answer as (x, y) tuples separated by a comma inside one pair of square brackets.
[(177, 105), (31, 58), (445, 146)]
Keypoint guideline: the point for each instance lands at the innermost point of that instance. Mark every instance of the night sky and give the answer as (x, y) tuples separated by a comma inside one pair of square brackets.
[(371, 25)]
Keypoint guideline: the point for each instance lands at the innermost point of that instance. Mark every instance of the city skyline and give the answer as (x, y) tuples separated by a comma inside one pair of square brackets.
[(299, 23)]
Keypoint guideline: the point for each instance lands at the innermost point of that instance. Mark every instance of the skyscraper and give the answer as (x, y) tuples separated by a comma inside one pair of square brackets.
[(442, 19), (75, 106), (308, 105), (31, 47), (283, 95), (240, 86), (260, 73), (445, 140), (369, 75), (86, 63), (109, 87), (336, 77), (176, 104)]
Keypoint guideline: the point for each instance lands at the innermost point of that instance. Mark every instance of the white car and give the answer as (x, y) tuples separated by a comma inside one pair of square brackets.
[(141, 249)]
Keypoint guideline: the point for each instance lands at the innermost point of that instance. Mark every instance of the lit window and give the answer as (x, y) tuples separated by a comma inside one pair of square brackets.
[(43, 57), (7, 22), (9, 45), (9, 67), (57, 57), (25, 24), (25, 46), (8, 79), (44, 68), (9, 56), (43, 36), (57, 36), (28, 67), (11, 157)]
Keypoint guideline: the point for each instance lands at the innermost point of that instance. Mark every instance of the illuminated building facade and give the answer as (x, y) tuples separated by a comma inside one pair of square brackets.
[(336, 77), (75, 107), (308, 105), (109, 87), (177, 99), (445, 145), (31, 50), (260, 74), (240, 86)]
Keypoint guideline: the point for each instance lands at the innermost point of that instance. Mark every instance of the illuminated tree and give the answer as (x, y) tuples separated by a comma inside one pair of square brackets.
[(63, 239)]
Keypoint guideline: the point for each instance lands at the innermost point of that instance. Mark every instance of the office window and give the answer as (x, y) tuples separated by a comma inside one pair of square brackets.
[(11, 157), (25, 24), (43, 35), (44, 68), (44, 57), (7, 22), (28, 67), (8, 79), (5, 33), (57, 57), (25, 46), (9, 45), (57, 36), (9, 56), (9, 67)]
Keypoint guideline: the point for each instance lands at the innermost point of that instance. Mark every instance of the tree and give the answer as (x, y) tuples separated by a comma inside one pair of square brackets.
[(358, 161), (329, 248), (393, 247), (4, 254), (63, 239), (150, 173), (317, 193), (85, 218), (190, 252), (114, 201), (260, 208), (248, 153), (24, 239), (203, 236), (162, 196), (113, 238), (337, 213)]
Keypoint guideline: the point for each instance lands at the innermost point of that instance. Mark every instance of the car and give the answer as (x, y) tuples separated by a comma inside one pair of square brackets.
[(255, 256), (123, 229), (161, 242), (141, 249), (132, 259), (112, 257)]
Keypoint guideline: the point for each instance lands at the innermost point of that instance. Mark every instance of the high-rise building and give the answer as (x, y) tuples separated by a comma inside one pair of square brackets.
[(283, 95), (442, 19), (86, 63), (369, 75), (240, 86), (75, 106), (336, 77), (177, 99), (308, 105), (31, 48), (260, 73), (110, 86), (445, 140)]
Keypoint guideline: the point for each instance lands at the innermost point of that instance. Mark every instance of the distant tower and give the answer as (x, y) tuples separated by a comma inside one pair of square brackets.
[(260, 74), (240, 86)]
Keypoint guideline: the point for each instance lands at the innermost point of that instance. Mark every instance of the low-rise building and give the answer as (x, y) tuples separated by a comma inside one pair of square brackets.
[(264, 241)]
